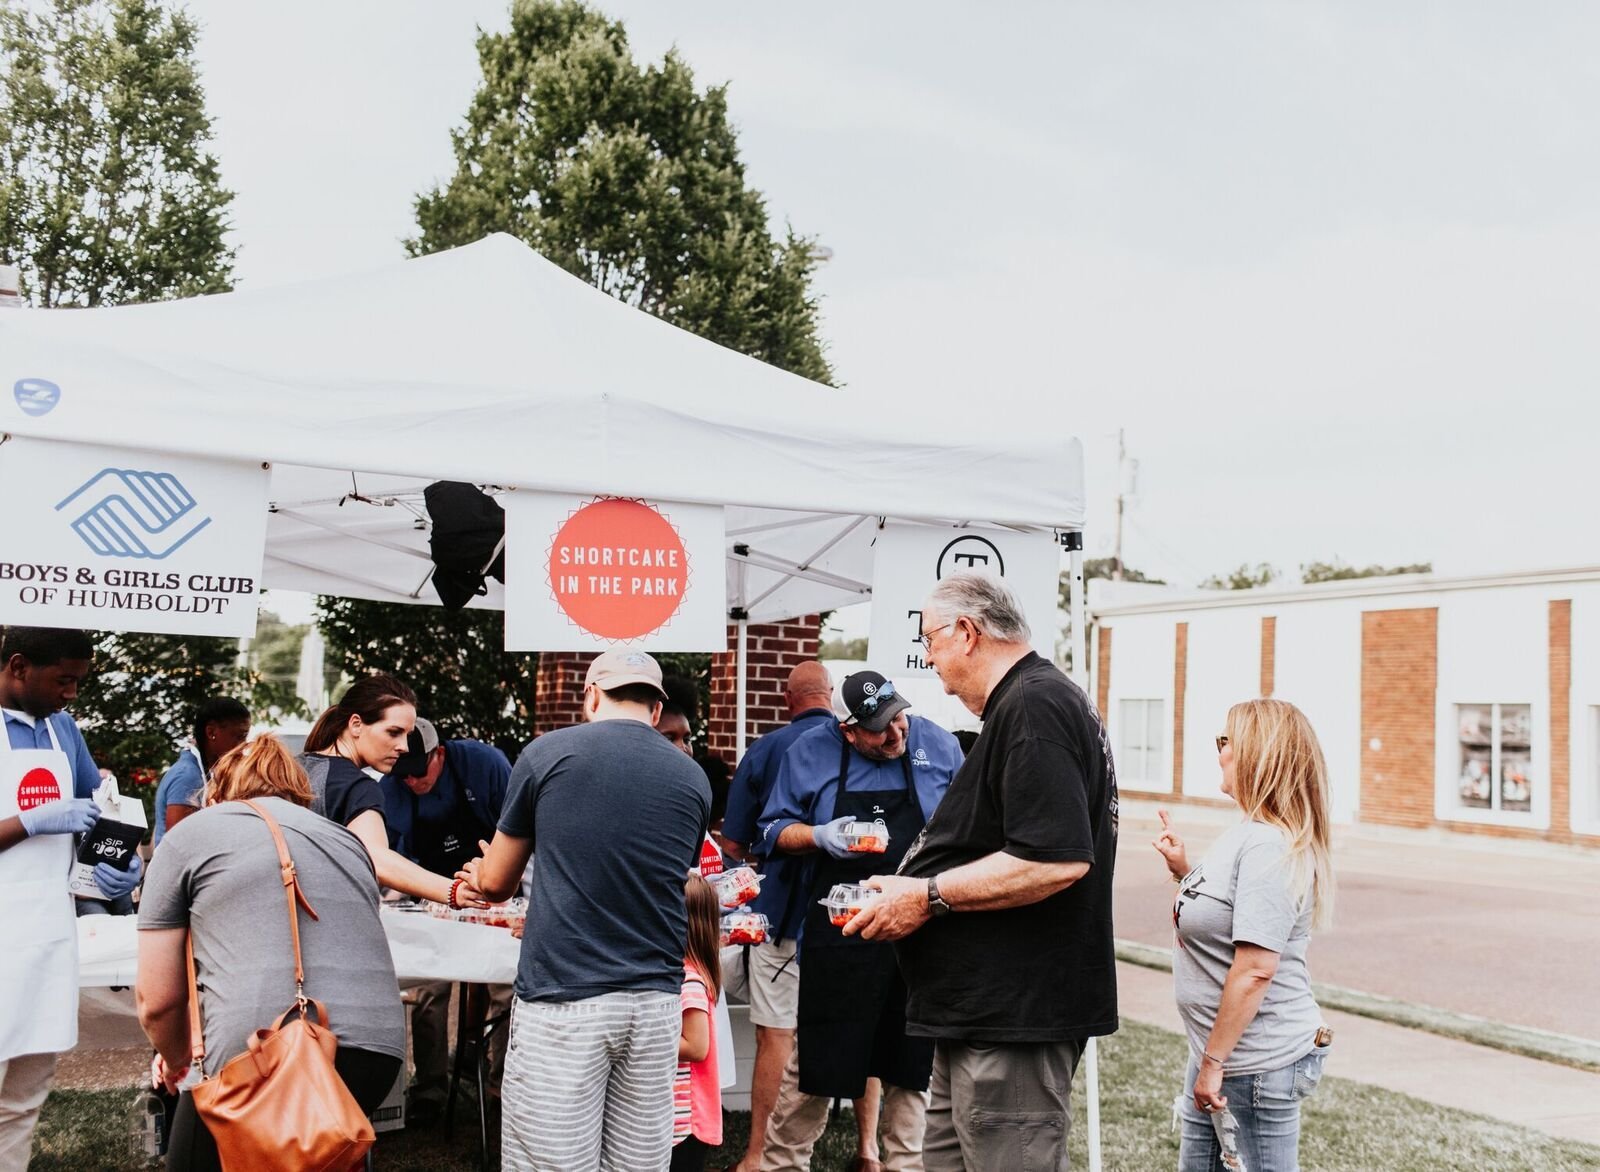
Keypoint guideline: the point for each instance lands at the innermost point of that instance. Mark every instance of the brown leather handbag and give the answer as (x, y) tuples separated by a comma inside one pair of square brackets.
[(281, 1104)]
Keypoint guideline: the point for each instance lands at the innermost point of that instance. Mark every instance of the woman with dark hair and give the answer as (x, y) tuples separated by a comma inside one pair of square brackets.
[(220, 724), (348, 751), (216, 882)]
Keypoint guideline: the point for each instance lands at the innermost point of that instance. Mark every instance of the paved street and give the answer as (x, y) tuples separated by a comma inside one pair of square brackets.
[(1507, 931)]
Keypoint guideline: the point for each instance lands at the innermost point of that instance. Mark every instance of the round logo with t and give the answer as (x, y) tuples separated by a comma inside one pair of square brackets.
[(970, 552)]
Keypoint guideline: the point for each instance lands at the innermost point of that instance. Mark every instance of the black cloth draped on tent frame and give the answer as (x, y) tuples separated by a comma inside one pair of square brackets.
[(467, 540)]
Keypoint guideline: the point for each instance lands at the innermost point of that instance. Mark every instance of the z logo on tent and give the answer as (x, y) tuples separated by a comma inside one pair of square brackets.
[(132, 514)]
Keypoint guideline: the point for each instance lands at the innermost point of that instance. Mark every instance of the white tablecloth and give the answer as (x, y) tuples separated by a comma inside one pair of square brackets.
[(424, 949)]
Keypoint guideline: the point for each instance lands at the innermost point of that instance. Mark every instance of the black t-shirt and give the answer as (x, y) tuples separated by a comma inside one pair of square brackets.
[(1039, 784), (347, 790), (616, 816)]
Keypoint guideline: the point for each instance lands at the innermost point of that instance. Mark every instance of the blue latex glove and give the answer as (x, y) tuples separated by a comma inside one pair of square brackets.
[(830, 836), (62, 816), (114, 884)]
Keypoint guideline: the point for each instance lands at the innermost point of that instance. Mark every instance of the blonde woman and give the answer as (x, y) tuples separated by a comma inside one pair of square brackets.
[(1242, 920)]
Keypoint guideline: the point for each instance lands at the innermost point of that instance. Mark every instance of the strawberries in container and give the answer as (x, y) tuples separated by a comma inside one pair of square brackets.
[(845, 902), (737, 887), (745, 928), (866, 838)]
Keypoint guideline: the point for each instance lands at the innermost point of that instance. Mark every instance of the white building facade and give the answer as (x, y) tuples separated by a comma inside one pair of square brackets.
[(1471, 704)]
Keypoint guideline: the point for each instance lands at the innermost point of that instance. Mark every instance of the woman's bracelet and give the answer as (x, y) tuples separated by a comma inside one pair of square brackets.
[(1212, 1057), (455, 886)]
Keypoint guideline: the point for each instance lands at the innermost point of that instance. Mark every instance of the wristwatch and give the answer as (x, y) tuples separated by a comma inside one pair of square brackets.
[(936, 904)]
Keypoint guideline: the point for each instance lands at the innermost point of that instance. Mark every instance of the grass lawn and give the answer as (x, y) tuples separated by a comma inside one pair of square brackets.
[(1348, 1128)]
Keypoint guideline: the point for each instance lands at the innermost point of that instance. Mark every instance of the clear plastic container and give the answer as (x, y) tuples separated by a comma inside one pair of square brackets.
[(745, 928), (866, 838), (737, 887), (511, 914), (845, 902)]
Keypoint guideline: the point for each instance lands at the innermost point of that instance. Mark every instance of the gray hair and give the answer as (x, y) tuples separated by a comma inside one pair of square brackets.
[(985, 601)]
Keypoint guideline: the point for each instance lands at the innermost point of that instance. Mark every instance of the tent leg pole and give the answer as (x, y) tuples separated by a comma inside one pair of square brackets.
[(1080, 630), (1091, 1084), (741, 689)]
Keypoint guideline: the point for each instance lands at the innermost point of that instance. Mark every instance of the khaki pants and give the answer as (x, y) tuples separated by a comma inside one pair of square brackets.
[(1001, 1105), (24, 1085), (430, 1037), (799, 1120)]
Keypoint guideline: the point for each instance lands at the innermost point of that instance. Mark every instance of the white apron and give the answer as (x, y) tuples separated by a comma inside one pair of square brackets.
[(39, 958)]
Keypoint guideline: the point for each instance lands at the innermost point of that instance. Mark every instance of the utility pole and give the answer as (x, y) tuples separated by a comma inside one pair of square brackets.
[(1122, 458)]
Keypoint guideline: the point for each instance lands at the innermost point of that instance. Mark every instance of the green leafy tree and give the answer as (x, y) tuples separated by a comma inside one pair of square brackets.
[(275, 650), (629, 177), (1246, 577), (843, 649), (108, 193), (1337, 571)]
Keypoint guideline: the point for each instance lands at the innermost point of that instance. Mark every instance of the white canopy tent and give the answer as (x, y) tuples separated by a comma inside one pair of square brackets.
[(490, 365)]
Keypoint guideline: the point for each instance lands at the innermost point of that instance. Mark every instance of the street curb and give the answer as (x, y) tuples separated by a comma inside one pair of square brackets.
[(1544, 1045)]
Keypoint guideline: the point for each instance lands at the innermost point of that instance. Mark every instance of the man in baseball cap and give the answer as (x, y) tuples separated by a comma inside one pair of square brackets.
[(619, 816)]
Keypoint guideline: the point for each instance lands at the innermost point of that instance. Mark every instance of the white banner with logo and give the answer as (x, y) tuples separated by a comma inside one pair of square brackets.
[(909, 560), (117, 540), (592, 573)]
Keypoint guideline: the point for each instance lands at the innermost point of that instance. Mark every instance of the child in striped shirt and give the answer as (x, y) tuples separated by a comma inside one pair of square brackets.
[(697, 1090)]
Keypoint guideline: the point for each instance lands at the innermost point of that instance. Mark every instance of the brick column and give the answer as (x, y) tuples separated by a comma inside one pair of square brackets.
[(772, 650), (558, 689), (1269, 653), (1102, 675), (1561, 715), (1180, 689), (1399, 699)]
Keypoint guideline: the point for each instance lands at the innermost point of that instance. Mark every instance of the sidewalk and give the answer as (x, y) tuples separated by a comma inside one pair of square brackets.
[(1544, 1096)]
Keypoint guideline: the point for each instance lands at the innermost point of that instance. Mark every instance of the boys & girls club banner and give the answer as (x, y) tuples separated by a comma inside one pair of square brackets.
[(107, 538), (909, 560), (591, 573)]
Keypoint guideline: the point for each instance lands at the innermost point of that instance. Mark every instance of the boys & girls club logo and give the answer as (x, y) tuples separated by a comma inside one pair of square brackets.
[(36, 396), (618, 568), (125, 513)]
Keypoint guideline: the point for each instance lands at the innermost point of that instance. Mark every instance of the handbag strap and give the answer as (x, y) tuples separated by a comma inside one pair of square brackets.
[(293, 893)]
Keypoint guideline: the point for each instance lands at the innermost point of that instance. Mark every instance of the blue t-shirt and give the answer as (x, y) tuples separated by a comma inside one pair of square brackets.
[(747, 797), (807, 786), (182, 780), (26, 732), (474, 774), (616, 816)]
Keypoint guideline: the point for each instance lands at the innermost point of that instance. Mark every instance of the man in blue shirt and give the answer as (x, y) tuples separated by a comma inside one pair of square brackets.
[(770, 974), (441, 799), (221, 724), (877, 765)]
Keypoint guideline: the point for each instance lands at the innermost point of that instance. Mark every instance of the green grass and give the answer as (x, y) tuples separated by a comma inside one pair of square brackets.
[(1348, 1128)]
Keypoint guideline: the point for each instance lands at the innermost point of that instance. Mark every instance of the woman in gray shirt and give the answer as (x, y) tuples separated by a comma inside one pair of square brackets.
[(1242, 920), (216, 878)]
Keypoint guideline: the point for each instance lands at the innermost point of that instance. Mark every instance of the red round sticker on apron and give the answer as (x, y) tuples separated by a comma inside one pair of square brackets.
[(37, 787)]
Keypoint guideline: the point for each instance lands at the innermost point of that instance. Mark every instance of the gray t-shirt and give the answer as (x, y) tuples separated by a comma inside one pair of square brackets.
[(1239, 894), (216, 873), (616, 816)]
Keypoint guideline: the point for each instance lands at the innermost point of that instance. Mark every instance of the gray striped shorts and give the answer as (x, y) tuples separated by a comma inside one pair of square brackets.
[(588, 1084)]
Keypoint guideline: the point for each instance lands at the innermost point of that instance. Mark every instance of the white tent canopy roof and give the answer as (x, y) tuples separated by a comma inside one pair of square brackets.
[(491, 365)]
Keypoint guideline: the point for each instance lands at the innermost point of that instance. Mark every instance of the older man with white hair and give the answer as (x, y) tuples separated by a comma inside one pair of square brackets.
[(1003, 906)]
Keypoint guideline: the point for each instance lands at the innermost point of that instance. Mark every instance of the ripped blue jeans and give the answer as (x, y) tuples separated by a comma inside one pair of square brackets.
[(1267, 1108)]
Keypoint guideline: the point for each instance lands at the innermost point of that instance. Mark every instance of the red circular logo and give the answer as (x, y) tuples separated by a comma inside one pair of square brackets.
[(38, 786), (618, 569)]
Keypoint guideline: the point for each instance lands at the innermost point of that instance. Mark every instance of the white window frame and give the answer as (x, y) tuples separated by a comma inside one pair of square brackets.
[(1157, 780), (1449, 806)]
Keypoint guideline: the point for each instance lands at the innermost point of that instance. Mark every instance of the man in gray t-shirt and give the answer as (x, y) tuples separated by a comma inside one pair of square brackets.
[(1239, 894), (216, 873)]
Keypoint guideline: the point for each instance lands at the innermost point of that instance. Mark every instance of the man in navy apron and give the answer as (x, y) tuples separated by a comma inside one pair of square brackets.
[(441, 799), (47, 778), (875, 765)]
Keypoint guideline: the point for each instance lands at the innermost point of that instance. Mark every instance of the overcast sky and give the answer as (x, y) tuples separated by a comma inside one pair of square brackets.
[(1331, 266)]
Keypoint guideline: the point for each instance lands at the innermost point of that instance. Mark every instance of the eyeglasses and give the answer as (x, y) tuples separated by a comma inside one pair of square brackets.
[(869, 704), (1222, 742), (926, 637)]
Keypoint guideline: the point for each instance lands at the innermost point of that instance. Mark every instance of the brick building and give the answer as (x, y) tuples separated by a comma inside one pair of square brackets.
[(1463, 703)]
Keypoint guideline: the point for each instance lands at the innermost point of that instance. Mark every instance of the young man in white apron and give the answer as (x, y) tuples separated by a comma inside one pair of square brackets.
[(46, 777)]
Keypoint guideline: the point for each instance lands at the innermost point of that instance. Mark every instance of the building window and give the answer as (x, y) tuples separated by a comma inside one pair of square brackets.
[(1139, 759), (1496, 757)]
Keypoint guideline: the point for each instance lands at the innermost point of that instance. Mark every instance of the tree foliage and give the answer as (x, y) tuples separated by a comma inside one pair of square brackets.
[(1246, 577), (1337, 571), (454, 660), (627, 176), (108, 193)]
